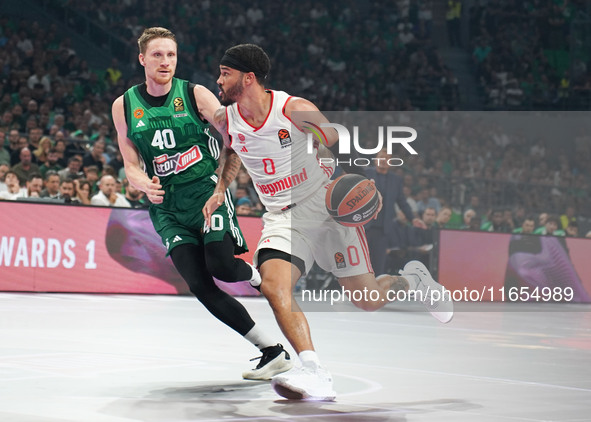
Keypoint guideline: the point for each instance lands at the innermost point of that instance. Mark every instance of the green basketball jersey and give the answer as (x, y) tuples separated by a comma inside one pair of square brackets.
[(174, 143)]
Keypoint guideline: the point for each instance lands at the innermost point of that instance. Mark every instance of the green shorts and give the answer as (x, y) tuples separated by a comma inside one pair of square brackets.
[(179, 219)]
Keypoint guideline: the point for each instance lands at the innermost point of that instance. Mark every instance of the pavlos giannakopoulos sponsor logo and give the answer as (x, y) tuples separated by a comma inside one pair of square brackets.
[(385, 137), (172, 164)]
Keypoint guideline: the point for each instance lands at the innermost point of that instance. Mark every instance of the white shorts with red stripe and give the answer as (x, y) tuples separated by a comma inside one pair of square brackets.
[(307, 231)]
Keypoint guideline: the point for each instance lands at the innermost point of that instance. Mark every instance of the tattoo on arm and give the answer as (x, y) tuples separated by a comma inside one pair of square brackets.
[(231, 167)]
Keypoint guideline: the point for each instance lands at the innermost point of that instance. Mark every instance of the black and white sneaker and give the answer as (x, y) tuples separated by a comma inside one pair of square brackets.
[(275, 360)]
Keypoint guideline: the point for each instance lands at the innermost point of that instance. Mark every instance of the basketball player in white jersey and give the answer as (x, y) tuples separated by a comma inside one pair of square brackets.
[(297, 228)]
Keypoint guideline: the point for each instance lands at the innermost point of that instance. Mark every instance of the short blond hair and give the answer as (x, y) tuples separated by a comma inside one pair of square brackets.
[(152, 33)]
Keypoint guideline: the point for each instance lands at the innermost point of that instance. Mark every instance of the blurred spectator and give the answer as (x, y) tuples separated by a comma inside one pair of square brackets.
[(35, 135), (102, 134), (13, 141), (51, 163), (542, 219), (4, 168), (469, 214), (568, 217), (75, 145), (73, 169), (4, 154), (244, 187), (34, 185), (244, 206), (52, 185), (429, 217), (496, 223), (91, 173), (83, 191), (95, 156), (25, 167), (508, 220), (107, 195), (67, 191), (475, 224), (551, 227), (113, 72), (443, 217), (528, 225), (572, 230), (134, 196), (453, 17), (13, 188), (42, 150), (15, 156), (425, 200)]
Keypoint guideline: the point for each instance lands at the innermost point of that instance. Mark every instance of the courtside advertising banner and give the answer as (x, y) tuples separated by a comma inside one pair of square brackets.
[(487, 267), (61, 248)]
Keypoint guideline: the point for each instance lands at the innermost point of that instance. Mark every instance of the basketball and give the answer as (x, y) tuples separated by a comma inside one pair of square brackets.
[(352, 200)]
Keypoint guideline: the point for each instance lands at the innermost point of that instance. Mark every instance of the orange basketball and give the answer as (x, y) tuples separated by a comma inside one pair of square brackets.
[(352, 200)]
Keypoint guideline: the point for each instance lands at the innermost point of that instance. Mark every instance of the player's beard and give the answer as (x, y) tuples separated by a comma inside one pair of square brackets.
[(229, 97)]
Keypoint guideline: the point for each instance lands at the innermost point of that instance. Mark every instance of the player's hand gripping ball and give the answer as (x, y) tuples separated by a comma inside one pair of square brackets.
[(352, 200)]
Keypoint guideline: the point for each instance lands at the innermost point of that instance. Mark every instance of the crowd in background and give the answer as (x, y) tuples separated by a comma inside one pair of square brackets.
[(341, 55), (60, 144), (532, 53)]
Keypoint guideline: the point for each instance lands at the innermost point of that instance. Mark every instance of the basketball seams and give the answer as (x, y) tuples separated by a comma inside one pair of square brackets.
[(356, 188)]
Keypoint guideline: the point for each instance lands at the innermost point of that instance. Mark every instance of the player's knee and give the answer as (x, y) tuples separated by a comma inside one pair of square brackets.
[(277, 291), (224, 271)]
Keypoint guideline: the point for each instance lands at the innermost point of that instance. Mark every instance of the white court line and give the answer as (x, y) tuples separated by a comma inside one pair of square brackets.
[(373, 385), (451, 327), (472, 377)]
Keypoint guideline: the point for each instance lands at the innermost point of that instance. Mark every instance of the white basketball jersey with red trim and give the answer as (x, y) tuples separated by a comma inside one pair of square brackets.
[(276, 156)]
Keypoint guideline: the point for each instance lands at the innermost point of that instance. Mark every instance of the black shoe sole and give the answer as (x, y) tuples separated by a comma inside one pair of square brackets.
[(287, 393)]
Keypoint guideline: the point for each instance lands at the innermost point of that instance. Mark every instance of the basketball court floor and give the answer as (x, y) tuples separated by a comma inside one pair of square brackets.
[(101, 358)]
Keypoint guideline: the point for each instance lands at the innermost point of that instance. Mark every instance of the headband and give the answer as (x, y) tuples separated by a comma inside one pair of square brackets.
[(235, 63)]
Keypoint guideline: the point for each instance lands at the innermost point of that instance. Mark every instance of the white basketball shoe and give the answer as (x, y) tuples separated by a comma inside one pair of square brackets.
[(275, 360), (433, 295), (310, 382)]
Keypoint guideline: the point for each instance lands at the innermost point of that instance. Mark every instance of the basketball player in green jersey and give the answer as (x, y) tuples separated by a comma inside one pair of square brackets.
[(162, 129)]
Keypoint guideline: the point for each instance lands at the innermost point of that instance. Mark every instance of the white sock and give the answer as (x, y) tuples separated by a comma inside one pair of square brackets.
[(259, 338), (309, 356), (255, 279)]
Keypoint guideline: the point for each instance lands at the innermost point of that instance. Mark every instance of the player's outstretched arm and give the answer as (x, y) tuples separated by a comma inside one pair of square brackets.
[(310, 114), (208, 104), (131, 158), (230, 167)]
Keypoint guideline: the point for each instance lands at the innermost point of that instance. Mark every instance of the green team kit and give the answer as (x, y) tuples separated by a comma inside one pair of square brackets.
[(175, 145)]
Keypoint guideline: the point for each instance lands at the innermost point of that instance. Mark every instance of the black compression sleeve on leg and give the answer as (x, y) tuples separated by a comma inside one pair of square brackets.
[(190, 263), (223, 265)]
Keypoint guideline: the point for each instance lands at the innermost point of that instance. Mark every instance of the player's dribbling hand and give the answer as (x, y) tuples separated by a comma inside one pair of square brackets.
[(154, 191), (380, 201), (212, 204)]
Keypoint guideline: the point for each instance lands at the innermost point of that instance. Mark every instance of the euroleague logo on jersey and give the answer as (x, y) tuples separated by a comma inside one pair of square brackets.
[(284, 138), (179, 104)]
